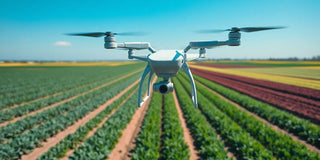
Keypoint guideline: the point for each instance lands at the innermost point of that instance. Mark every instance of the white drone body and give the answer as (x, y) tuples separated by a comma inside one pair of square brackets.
[(167, 63)]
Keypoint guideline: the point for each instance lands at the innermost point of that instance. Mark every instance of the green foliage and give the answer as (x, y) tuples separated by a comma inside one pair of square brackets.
[(105, 138), (173, 145), (206, 140), (72, 140), (148, 142), (299, 127), (241, 143), (14, 129), (25, 142), (20, 84)]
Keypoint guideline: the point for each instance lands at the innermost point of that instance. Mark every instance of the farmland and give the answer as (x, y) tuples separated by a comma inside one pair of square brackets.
[(247, 110)]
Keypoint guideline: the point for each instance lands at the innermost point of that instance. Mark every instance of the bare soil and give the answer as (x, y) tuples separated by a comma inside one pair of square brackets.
[(50, 142)]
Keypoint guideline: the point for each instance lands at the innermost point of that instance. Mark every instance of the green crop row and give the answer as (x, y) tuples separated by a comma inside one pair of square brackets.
[(14, 129), (206, 140), (282, 146), (299, 127), (39, 83), (105, 138), (240, 142), (72, 140), (148, 142), (173, 144), (40, 90), (25, 109), (24, 143)]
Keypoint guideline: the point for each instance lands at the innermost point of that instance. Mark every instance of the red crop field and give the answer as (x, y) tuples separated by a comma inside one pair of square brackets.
[(89, 111)]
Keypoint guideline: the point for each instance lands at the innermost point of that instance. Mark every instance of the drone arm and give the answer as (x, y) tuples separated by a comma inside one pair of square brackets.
[(186, 69), (207, 44), (136, 45), (146, 71), (202, 45)]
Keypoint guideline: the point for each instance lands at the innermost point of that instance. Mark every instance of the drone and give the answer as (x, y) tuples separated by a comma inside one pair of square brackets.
[(167, 63)]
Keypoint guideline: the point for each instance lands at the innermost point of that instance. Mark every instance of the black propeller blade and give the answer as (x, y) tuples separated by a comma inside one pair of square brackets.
[(100, 34), (237, 29)]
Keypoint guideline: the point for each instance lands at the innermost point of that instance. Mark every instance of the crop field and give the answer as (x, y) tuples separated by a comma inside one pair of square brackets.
[(247, 110)]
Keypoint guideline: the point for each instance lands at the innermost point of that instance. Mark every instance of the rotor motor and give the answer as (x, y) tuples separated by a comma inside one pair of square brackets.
[(234, 38), (110, 42)]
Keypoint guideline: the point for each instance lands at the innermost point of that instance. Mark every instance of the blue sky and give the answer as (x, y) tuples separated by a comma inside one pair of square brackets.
[(34, 29)]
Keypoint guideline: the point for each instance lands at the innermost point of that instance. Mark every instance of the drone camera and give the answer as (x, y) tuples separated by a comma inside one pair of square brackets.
[(234, 38), (163, 87)]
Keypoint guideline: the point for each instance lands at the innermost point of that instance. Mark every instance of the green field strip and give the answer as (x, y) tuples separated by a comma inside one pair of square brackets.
[(93, 82), (75, 78), (105, 138), (30, 107), (282, 146), (240, 142), (73, 140), (302, 128), (63, 117), (148, 141), (206, 139), (20, 78)]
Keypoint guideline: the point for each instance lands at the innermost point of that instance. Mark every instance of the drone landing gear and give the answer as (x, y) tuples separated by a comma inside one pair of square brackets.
[(146, 71), (186, 69)]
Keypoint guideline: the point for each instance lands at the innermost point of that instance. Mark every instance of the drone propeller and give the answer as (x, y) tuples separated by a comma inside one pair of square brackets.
[(100, 34), (237, 29)]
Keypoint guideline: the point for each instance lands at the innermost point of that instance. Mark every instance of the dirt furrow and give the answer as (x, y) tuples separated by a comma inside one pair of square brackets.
[(186, 132), (130, 133), (50, 142), (64, 101), (295, 138)]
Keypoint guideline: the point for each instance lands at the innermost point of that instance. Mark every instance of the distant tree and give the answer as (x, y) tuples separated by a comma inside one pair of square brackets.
[(316, 58)]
